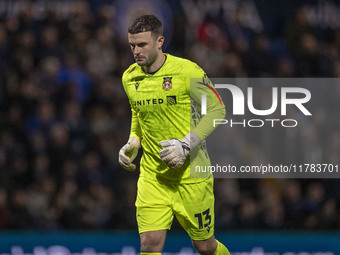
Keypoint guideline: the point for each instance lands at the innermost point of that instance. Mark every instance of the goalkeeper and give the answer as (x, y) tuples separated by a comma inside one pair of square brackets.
[(167, 123)]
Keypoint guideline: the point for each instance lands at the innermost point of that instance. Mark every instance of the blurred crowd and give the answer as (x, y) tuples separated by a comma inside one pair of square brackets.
[(64, 117)]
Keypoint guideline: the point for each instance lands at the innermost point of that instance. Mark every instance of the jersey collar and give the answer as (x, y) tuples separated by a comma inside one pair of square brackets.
[(166, 57)]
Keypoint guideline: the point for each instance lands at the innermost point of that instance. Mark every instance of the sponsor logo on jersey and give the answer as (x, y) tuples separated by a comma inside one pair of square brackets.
[(137, 85), (167, 83), (152, 101), (171, 100)]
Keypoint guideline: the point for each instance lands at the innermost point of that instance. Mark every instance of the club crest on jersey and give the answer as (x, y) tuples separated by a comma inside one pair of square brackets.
[(167, 83)]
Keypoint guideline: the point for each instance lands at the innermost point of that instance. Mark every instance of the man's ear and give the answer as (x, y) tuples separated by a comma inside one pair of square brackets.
[(160, 41)]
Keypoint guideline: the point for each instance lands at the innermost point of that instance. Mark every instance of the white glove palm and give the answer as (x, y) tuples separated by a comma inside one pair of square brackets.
[(177, 150), (128, 153)]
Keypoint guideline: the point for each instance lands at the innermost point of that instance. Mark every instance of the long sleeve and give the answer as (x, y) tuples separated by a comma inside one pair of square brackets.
[(135, 127), (135, 130), (215, 108), (198, 83)]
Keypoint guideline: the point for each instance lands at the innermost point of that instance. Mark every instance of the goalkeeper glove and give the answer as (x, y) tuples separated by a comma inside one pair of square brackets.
[(128, 153), (177, 150)]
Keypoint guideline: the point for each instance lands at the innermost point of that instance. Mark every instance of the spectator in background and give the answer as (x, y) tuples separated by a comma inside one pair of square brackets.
[(293, 204), (74, 79), (210, 44), (233, 65), (260, 61), (59, 149), (296, 29), (284, 68), (43, 118), (249, 214), (39, 199), (315, 197), (20, 215), (4, 49), (49, 43), (72, 116), (308, 58), (102, 56), (5, 212)]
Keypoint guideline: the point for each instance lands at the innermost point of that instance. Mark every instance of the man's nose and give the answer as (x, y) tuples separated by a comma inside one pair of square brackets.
[(137, 50)]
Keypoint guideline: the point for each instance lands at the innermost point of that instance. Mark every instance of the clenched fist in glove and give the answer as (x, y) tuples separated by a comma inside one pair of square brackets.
[(128, 153), (176, 150)]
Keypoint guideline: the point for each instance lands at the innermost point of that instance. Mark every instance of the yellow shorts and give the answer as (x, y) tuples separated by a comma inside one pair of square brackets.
[(192, 204)]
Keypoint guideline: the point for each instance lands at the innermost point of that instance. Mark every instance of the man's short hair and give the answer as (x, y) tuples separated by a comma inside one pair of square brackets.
[(146, 23)]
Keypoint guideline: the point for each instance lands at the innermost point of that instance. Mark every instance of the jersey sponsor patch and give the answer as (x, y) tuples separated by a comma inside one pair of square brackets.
[(151, 101), (167, 83)]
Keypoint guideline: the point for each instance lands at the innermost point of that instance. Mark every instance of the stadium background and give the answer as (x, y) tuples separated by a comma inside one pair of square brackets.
[(64, 117)]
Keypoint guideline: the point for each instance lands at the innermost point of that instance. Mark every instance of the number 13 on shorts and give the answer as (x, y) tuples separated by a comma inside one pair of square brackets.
[(204, 219)]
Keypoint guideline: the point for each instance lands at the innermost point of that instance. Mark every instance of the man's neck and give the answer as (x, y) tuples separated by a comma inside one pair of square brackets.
[(155, 65)]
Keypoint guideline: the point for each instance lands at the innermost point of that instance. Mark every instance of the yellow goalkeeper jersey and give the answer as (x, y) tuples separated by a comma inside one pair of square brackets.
[(164, 107)]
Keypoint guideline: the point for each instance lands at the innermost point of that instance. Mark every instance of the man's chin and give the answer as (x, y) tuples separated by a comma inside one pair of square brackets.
[(141, 62)]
